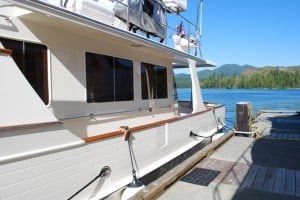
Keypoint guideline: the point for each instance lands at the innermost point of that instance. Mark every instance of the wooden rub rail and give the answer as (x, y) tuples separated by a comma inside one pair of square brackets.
[(6, 51), (142, 127)]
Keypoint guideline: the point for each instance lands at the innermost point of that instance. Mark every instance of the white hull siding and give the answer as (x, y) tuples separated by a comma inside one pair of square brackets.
[(60, 174), (50, 149)]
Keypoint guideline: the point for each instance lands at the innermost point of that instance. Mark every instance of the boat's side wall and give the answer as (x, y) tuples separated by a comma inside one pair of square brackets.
[(49, 170), (19, 103), (67, 59), (63, 173)]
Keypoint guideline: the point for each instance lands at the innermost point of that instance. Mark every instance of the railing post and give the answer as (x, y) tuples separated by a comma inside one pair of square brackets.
[(166, 26), (128, 9), (189, 37)]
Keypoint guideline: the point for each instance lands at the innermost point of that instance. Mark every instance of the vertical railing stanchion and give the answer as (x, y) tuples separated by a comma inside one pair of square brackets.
[(128, 7), (198, 39), (188, 37), (166, 26)]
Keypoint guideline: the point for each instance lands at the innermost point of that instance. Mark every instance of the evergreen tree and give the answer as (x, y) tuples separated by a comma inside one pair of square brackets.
[(279, 77)]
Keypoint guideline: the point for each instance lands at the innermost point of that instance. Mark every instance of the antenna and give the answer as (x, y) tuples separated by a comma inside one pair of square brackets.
[(199, 29)]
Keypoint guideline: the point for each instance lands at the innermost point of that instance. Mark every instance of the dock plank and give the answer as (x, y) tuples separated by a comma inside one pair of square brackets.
[(207, 163), (279, 181), (269, 179), (285, 136), (273, 135), (237, 174), (298, 183), (271, 167), (290, 182), (290, 136), (260, 178), (250, 176)]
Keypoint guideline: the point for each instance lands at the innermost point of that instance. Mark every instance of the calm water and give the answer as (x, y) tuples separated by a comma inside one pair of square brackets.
[(261, 99)]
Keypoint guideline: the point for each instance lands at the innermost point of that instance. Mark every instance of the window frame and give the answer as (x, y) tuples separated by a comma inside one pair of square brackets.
[(111, 75), (25, 55), (152, 82)]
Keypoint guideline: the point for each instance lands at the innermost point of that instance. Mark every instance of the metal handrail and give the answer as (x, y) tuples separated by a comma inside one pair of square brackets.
[(192, 29)]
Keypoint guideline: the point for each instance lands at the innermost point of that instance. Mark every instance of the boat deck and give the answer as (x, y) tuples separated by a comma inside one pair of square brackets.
[(266, 167)]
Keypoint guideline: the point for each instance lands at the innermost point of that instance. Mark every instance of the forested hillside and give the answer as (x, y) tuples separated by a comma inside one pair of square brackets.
[(250, 77), (225, 70)]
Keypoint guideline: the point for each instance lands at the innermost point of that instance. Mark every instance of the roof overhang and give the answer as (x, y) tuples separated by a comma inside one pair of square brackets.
[(199, 63), (178, 58)]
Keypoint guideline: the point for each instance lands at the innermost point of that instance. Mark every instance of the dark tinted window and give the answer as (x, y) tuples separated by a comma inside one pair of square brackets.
[(108, 78), (154, 81), (32, 61), (123, 79)]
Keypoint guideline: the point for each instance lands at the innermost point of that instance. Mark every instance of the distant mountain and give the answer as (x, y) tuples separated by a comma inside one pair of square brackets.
[(251, 71), (263, 77), (247, 76), (225, 70), (182, 75)]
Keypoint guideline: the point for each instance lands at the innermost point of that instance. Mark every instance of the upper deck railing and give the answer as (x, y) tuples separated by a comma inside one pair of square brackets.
[(147, 18)]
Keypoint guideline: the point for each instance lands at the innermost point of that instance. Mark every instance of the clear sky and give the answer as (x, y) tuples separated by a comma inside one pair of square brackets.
[(255, 32)]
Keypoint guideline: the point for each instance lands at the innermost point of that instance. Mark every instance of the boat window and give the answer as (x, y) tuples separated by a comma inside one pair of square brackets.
[(32, 61), (154, 81), (108, 78)]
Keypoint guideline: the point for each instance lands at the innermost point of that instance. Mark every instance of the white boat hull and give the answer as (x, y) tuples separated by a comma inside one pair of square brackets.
[(58, 175), (52, 150)]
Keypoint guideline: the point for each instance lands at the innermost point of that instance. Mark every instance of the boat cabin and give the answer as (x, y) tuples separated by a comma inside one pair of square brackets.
[(71, 76)]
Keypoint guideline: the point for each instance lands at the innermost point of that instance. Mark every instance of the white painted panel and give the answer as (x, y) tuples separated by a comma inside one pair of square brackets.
[(61, 174), (21, 144), (161, 136), (176, 4), (19, 103)]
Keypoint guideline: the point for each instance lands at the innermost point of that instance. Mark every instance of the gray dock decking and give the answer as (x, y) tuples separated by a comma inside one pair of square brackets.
[(261, 168)]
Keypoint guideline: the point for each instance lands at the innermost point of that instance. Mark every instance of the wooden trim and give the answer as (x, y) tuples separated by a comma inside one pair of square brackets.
[(142, 127), (103, 136), (34, 125), (6, 51)]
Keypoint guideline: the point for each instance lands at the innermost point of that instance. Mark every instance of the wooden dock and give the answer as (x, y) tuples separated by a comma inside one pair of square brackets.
[(267, 167)]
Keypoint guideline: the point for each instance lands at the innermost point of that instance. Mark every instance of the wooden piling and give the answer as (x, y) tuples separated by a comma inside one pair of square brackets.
[(243, 116)]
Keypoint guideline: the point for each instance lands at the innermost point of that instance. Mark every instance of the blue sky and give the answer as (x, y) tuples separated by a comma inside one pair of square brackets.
[(255, 32)]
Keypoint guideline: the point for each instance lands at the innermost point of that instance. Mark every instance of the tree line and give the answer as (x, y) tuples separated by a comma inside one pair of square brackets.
[(259, 78)]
